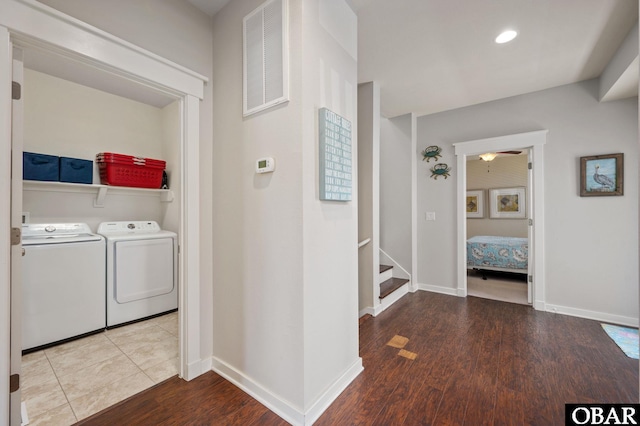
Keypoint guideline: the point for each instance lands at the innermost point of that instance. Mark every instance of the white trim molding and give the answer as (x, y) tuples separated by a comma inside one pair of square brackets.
[(5, 222), (31, 24), (438, 289), (592, 315), (387, 301), (283, 408), (190, 239), (37, 25), (365, 311), (404, 274), (326, 399), (534, 141), (273, 402), (414, 204), (391, 299)]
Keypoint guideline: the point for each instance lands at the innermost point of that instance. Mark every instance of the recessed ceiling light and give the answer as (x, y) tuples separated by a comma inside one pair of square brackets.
[(506, 36)]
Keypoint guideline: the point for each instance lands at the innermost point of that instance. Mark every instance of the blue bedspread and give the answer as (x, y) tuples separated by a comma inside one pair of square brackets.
[(497, 252)]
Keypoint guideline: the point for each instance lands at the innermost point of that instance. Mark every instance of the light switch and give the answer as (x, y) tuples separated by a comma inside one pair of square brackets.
[(430, 216)]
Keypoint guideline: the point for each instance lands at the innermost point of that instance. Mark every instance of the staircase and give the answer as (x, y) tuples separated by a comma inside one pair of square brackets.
[(391, 285)]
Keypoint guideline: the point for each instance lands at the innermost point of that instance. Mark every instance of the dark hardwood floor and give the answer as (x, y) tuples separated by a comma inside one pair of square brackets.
[(476, 362)]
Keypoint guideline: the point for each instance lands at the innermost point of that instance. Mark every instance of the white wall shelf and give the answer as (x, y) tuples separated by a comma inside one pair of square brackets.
[(100, 191)]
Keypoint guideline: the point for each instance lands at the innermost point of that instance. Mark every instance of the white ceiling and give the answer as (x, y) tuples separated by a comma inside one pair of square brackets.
[(435, 55), (80, 72), (210, 7)]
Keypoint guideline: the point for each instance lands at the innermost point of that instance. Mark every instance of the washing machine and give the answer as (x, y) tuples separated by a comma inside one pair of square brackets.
[(63, 283), (142, 270)]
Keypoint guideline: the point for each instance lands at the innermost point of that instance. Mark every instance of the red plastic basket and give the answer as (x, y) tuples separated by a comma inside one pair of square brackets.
[(127, 170)]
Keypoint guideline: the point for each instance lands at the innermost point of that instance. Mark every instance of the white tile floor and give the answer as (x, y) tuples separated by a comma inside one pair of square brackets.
[(70, 382)]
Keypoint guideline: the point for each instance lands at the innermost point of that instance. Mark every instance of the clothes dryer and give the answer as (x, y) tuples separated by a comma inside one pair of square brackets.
[(142, 270)]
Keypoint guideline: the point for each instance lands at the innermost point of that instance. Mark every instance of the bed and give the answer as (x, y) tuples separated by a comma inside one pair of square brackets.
[(507, 254)]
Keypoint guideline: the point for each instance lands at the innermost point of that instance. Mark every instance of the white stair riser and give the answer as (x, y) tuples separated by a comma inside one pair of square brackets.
[(385, 275), (392, 298)]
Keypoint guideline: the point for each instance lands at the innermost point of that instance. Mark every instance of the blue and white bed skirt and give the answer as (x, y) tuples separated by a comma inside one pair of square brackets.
[(498, 253)]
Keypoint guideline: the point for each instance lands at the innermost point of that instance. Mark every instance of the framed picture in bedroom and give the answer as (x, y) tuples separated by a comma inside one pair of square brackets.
[(475, 204), (601, 175), (507, 203)]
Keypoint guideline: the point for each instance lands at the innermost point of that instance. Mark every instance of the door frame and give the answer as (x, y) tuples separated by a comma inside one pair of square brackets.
[(534, 141), (28, 23), (17, 131), (6, 73)]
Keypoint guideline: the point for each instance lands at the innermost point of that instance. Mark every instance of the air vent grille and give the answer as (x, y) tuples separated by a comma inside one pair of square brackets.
[(265, 57)]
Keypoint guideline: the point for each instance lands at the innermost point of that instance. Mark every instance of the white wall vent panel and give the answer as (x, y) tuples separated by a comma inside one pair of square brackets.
[(265, 57)]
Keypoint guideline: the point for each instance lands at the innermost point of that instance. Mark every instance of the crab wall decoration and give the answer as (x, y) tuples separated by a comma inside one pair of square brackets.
[(440, 169), (431, 152)]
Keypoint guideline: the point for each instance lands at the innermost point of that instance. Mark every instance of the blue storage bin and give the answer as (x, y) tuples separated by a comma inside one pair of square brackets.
[(40, 167), (75, 170)]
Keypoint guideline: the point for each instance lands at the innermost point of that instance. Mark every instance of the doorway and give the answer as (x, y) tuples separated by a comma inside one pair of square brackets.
[(31, 26), (67, 382), (534, 142), (497, 232)]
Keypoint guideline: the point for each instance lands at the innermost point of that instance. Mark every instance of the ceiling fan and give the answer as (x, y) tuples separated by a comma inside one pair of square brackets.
[(489, 156)]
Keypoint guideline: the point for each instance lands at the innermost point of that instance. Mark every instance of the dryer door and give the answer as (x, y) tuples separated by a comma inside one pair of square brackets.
[(143, 269)]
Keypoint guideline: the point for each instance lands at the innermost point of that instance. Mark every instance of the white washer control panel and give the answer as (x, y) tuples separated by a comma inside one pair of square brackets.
[(123, 227), (38, 229)]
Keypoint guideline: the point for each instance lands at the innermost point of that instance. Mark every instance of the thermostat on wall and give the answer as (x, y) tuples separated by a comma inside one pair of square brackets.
[(265, 165)]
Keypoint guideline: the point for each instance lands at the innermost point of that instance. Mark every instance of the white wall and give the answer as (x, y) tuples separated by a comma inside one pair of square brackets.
[(330, 229), (285, 288), (395, 188), (179, 32), (368, 195), (436, 239), (503, 172), (257, 222), (171, 128), (67, 119), (591, 252)]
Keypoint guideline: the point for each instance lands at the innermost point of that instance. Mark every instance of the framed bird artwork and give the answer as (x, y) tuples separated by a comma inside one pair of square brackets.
[(601, 175)]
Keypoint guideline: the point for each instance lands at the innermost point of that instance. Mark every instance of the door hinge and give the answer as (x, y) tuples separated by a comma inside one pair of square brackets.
[(16, 236), (16, 90), (14, 383), (530, 222), (530, 165), (530, 278)]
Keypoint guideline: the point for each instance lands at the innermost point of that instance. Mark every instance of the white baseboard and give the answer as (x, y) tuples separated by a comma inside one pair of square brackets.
[(24, 415), (392, 298), (387, 301), (330, 395), (368, 310), (273, 402), (539, 305), (207, 364), (280, 406), (592, 315), (196, 368), (437, 289), (557, 309)]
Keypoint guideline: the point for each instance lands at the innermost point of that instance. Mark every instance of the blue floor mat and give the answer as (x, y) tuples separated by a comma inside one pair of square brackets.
[(626, 338)]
